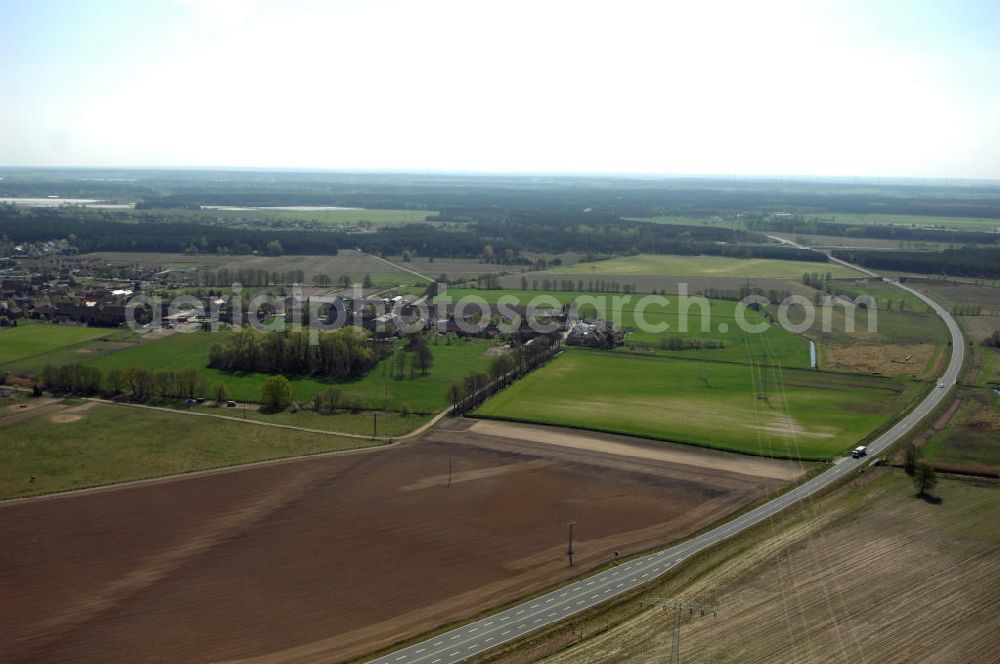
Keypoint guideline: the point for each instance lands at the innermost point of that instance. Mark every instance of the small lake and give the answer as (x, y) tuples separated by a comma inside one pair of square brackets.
[(56, 202)]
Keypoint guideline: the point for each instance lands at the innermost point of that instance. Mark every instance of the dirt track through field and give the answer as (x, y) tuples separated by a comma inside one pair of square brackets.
[(329, 558), (617, 445)]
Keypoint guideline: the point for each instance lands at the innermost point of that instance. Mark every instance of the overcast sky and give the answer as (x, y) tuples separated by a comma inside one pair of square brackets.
[(754, 88)]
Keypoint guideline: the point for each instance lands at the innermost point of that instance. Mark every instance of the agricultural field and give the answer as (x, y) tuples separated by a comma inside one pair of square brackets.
[(899, 319), (870, 573), (748, 408), (32, 339), (77, 444), (951, 294), (887, 296), (978, 328), (347, 262), (697, 266), (924, 361), (987, 367), (717, 321), (165, 564), (453, 268), (422, 394), (846, 241), (970, 439), (106, 342)]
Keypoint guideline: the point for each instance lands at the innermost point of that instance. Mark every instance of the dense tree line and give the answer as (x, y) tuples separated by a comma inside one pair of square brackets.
[(801, 225), (341, 354), (455, 195), (817, 280), (110, 230), (500, 241), (133, 382), (248, 277), (965, 262)]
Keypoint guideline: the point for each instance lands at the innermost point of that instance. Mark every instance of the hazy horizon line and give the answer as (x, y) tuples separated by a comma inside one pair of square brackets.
[(472, 173)]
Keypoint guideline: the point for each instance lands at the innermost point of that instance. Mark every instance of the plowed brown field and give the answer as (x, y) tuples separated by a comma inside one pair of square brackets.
[(870, 574), (332, 557)]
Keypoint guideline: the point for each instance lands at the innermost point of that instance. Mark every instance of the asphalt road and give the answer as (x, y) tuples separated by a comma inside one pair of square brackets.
[(510, 624)]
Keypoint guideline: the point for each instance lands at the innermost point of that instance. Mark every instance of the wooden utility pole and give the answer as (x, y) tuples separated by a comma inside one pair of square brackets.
[(569, 548), (374, 423)]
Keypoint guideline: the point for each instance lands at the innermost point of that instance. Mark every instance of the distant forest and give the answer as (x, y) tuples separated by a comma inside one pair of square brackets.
[(498, 219), (502, 239), (964, 262), (877, 231), (616, 196)]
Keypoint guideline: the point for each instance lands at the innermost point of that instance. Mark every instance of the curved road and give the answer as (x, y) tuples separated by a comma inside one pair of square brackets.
[(516, 621)]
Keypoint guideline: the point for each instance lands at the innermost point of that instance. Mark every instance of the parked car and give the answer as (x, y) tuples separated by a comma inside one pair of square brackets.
[(230, 404)]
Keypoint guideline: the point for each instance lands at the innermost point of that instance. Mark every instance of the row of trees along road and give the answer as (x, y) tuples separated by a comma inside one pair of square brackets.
[(133, 383), (504, 370)]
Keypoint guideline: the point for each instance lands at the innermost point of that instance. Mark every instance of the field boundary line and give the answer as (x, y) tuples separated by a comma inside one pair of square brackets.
[(389, 439), (230, 468), (399, 267)]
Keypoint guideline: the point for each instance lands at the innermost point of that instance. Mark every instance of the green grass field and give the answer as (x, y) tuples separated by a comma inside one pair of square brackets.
[(775, 344), (806, 414), (891, 325), (423, 394), (697, 266), (32, 339), (109, 444), (388, 423), (110, 341), (347, 262)]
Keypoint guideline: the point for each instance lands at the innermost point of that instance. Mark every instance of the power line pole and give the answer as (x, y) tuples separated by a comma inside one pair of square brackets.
[(678, 607), (569, 549)]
